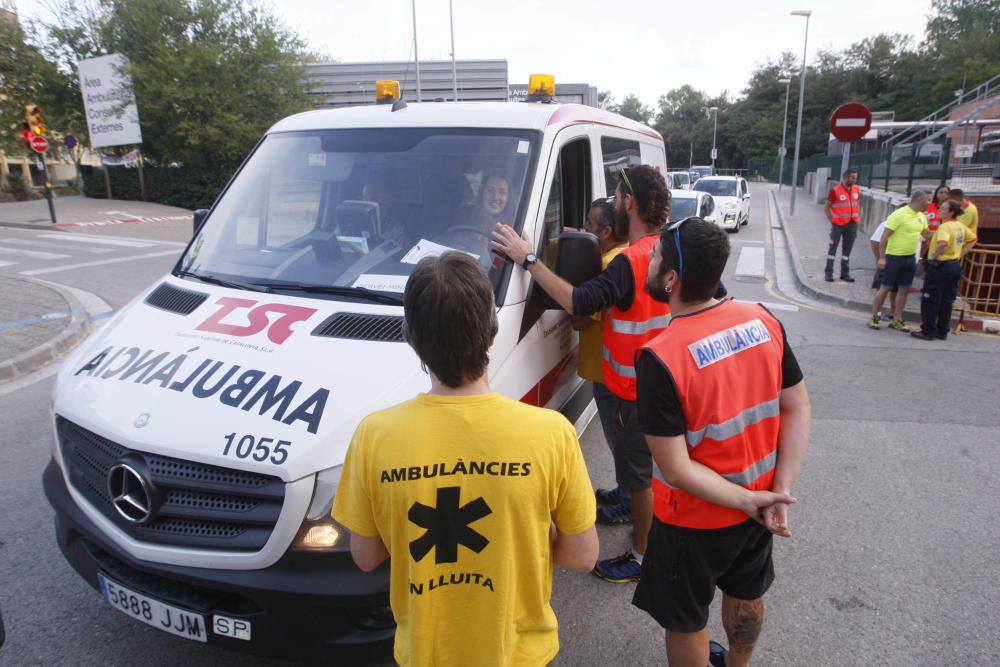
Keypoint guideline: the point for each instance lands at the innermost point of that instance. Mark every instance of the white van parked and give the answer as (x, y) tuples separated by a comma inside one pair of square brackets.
[(199, 435)]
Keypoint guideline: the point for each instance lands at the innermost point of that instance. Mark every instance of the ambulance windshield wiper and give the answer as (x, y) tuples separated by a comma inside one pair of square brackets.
[(337, 290), (252, 287)]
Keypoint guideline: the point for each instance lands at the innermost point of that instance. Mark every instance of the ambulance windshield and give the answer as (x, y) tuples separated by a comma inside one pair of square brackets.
[(358, 208)]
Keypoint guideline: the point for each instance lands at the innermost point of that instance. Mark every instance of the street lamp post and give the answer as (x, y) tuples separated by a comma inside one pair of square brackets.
[(715, 128), (784, 129), (798, 124), (454, 70), (416, 56)]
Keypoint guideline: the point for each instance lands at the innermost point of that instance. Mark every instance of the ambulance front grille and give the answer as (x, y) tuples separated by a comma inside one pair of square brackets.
[(356, 326), (197, 505), (175, 300)]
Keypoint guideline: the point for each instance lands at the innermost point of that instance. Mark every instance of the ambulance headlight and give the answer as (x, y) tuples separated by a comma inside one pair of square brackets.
[(319, 531)]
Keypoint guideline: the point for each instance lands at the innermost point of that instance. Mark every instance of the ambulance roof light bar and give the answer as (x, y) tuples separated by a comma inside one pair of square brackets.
[(387, 92), (541, 88)]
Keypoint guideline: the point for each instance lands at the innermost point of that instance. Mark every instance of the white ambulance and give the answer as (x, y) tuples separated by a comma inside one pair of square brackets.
[(199, 435)]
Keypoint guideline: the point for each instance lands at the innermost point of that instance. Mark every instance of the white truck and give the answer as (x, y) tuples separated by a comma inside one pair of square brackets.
[(199, 435)]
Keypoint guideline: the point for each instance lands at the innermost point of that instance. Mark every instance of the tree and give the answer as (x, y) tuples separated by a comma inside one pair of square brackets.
[(209, 76), (23, 73), (632, 107)]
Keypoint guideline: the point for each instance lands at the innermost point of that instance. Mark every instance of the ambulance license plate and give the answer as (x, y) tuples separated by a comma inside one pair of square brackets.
[(168, 618)]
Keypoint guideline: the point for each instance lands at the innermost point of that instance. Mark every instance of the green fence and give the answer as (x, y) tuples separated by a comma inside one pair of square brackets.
[(899, 169)]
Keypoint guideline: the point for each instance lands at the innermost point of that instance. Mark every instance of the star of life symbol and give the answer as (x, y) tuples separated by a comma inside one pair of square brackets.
[(447, 526)]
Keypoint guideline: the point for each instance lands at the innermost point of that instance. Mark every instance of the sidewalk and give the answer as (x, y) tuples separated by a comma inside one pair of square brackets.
[(77, 211), (808, 236), (39, 322)]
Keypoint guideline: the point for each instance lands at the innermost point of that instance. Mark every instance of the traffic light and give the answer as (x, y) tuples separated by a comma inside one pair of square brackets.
[(33, 115)]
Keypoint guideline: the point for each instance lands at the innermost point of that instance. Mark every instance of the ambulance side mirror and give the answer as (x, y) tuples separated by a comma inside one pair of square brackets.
[(578, 259), (198, 218)]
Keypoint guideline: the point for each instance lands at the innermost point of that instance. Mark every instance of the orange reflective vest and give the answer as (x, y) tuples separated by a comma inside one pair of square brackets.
[(625, 331), (846, 204), (726, 364)]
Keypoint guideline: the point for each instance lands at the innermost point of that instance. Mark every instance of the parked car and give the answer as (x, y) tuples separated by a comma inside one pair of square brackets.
[(732, 199), (700, 171), (679, 180), (688, 203)]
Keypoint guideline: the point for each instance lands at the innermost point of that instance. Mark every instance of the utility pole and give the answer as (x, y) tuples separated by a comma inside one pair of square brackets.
[(416, 56), (454, 68), (784, 128), (798, 125)]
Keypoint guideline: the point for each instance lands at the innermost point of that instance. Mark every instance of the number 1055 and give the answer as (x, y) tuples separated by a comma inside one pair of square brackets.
[(259, 449)]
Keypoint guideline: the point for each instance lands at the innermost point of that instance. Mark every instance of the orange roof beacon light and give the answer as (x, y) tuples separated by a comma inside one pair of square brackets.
[(386, 92), (541, 88)]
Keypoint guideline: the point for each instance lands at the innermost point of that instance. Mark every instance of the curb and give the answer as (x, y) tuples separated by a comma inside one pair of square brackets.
[(75, 331), (800, 272)]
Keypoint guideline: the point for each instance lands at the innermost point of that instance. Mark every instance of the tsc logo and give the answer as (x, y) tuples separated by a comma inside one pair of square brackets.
[(258, 319)]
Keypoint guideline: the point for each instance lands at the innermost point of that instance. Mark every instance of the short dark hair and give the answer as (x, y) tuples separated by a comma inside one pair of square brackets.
[(651, 193), (706, 250), (449, 317), (957, 193), (851, 170), (606, 216), (953, 206)]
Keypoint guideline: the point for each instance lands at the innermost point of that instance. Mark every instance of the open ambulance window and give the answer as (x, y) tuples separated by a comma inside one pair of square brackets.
[(567, 205), (618, 154), (358, 208)]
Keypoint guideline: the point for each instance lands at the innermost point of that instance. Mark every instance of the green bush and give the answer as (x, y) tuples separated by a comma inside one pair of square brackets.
[(185, 187), (18, 188)]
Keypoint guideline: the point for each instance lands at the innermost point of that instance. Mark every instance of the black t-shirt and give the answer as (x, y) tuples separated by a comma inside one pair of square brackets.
[(614, 286), (659, 406)]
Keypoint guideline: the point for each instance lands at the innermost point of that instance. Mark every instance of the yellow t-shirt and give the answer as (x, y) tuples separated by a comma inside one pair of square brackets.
[(970, 218), (956, 235), (906, 225), (462, 490), (592, 338)]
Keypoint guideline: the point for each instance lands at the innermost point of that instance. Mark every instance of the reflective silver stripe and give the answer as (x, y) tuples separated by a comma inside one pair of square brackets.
[(635, 328), (622, 369), (755, 470), (657, 475), (734, 426)]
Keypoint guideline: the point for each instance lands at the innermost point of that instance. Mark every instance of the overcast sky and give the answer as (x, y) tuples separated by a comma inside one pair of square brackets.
[(645, 47)]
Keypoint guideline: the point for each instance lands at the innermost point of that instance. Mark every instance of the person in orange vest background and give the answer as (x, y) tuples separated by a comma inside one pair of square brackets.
[(615, 504), (633, 318), (843, 210), (726, 415)]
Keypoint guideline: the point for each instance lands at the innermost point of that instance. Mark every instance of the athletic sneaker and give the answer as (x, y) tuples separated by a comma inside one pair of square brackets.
[(873, 322), (609, 496), (620, 570), (614, 515), (716, 654), (899, 325)]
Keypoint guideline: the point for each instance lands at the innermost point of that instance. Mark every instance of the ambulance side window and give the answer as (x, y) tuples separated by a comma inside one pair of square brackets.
[(569, 199), (618, 154)]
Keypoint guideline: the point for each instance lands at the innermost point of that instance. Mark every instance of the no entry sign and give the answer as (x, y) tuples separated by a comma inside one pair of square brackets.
[(39, 144), (850, 122)]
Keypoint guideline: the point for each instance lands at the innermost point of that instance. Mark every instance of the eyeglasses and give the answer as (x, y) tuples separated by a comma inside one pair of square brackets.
[(676, 229), (626, 180)]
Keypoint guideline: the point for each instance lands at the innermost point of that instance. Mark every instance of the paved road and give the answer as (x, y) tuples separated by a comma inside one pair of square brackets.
[(892, 559)]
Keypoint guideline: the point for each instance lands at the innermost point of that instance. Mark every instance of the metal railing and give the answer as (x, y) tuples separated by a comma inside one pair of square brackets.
[(983, 90), (979, 285)]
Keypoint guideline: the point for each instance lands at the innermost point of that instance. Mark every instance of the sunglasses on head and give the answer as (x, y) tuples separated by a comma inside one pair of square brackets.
[(626, 180), (676, 229)]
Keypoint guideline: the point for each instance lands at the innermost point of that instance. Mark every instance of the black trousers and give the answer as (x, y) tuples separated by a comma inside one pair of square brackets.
[(848, 233), (938, 296)]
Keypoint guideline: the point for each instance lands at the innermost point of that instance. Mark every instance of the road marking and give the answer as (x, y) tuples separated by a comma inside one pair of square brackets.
[(101, 223), (33, 254), (745, 241), (56, 246), (773, 305), (47, 317), (7, 263), (67, 267), (751, 262), (82, 238)]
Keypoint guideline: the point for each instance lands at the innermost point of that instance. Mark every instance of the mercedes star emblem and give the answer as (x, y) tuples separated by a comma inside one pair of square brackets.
[(141, 420), (130, 493)]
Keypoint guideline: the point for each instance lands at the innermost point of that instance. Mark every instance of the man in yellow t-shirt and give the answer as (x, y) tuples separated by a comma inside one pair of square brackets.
[(474, 495), (948, 246), (616, 503), (970, 214), (898, 257)]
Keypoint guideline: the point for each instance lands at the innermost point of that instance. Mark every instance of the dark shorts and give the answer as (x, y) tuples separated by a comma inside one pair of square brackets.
[(683, 566), (899, 271), (633, 462), (878, 281)]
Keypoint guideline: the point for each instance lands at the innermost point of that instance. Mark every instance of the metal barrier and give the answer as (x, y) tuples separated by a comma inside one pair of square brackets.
[(979, 285)]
